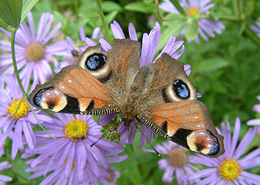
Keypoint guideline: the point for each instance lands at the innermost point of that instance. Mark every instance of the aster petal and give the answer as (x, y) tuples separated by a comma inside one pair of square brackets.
[(132, 32), (133, 132), (51, 33), (203, 173), (82, 33), (6, 132), (4, 178), (235, 137), (28, 134), (90, 42), (70, 159), (31, 25), (253, 122), (251, 160), (251, 177), (104, 119), (117, 30), (256, 108), (105, 45), (163, 164), (124, 136), (244, 143), (44, 26), (168, 175), (167, 6), (161, 149), (180, 176)]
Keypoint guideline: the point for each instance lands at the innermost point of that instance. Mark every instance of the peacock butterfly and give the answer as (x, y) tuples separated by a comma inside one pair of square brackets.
[(160, 95)]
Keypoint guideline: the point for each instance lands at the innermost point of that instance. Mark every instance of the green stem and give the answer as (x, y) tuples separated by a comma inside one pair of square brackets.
[(20, 83), (105, 26), (15, 66), (178, 7)]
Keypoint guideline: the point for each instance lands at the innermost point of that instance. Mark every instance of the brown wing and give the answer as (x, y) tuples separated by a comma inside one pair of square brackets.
[(98, 86), (169, 107), (74, 90)]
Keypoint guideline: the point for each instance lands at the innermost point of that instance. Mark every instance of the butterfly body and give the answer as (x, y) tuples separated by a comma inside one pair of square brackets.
[(160, 95)]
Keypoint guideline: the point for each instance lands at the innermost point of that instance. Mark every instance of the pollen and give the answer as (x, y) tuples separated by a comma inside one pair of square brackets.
[(192, 11), (177, 157), (16, 113), (76, 129), (229, 170), (35, 52)]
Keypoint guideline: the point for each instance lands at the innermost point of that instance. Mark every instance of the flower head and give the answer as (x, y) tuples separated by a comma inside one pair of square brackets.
[(230, 167), (177, 162), (207, 27), (16, 117), (149, 46), (70, 157), (33, 51), (256, 28)]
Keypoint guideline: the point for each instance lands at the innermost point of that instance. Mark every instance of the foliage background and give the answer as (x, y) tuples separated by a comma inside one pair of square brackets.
[(225, 70)]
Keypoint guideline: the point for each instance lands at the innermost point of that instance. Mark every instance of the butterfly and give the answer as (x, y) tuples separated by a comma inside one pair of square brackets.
[(160, 95)]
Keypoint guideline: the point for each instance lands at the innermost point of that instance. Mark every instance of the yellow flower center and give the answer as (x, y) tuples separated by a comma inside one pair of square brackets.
[(178, 157), (35, 52), (16, 113), (76, 129), (229, 170), (192, 11), (111, 177)]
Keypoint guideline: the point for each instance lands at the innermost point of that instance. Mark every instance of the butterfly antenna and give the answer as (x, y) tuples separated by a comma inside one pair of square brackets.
[(148, 140), (95, 142)]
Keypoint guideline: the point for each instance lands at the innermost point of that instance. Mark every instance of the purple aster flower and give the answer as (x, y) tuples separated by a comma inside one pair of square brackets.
[(149, 46), (230, 167), (3, 178), (176, 164), (207, 27), (74, 52), (255, 122), (69, 159), (14, 123), (33, 51), (256, 29)]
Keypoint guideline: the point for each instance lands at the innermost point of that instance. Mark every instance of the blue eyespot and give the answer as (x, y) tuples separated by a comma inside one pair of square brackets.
[(181, 89), (95, 61)]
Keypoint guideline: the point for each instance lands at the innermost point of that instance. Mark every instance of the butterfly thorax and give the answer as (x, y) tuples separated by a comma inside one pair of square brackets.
[(130, 107)]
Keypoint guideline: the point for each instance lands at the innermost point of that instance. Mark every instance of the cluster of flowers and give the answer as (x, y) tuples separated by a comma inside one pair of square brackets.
[(64, 156)]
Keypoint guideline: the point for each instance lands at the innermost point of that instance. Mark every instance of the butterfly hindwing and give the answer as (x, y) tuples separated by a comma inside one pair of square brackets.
[(169, 107)]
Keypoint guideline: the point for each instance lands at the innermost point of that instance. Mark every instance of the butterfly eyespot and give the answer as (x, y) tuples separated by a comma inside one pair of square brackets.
[(181, 89), (95, 61)]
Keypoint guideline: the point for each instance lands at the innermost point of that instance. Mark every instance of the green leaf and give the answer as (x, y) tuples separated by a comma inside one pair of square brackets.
[(10, 12), (173, 30), (3, 25), (111, 16), (212, 64), (109, 6), (27, 6), (133, 171), (192, 28), (138, 7)]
